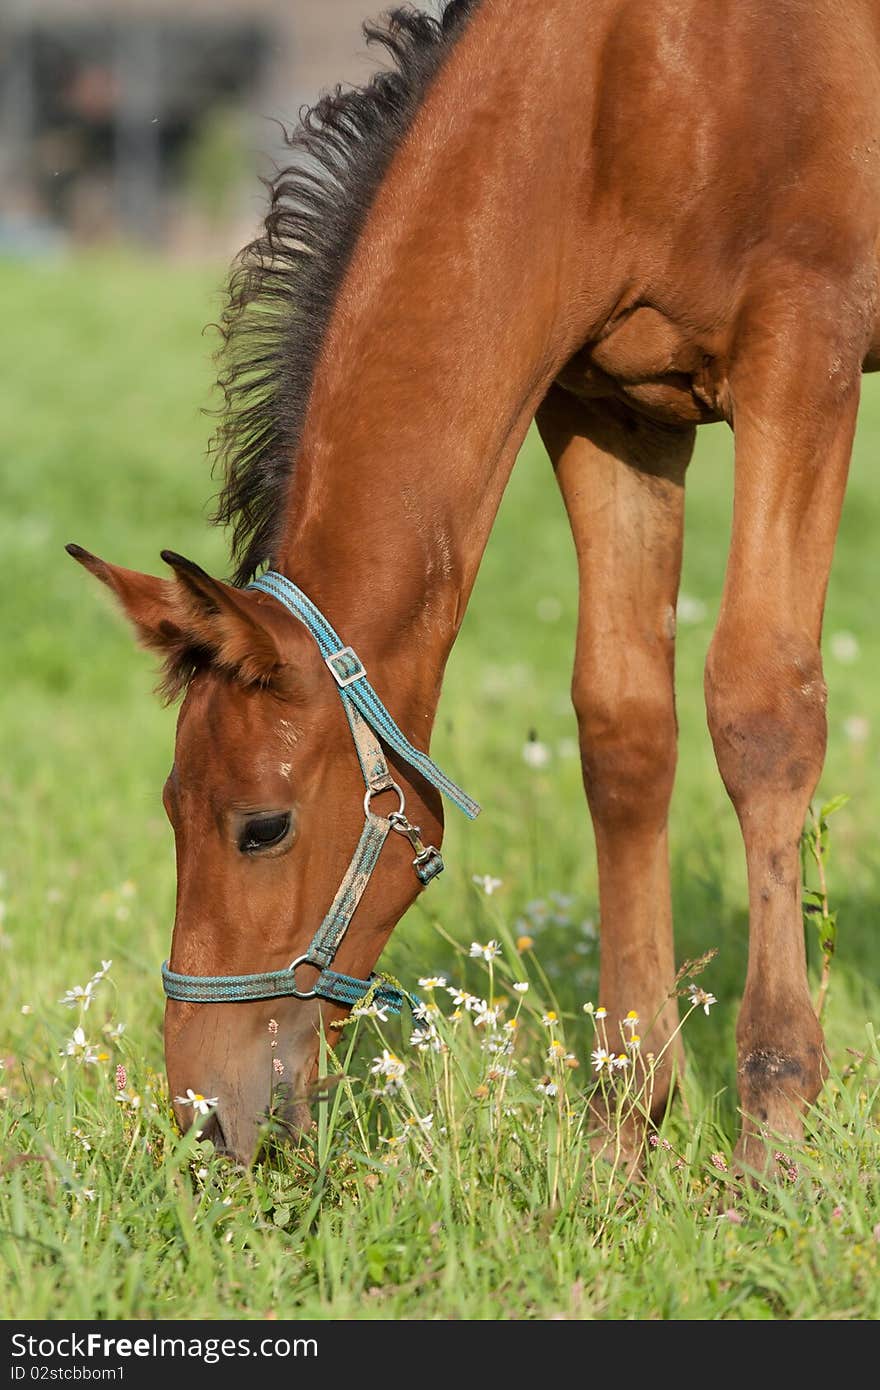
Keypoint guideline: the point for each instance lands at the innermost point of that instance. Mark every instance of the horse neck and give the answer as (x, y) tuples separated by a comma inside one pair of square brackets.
[(447, 330)]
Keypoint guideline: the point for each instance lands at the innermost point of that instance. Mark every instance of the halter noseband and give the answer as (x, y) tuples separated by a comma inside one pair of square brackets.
[(370, 725)]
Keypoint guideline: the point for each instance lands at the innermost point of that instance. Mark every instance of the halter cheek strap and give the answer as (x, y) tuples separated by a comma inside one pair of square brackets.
[(371, 725)]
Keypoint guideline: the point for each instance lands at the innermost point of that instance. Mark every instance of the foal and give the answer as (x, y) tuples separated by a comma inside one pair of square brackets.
[(626, 217)]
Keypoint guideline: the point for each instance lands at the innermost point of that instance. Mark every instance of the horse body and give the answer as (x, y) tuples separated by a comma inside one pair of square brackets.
[(625, 219)]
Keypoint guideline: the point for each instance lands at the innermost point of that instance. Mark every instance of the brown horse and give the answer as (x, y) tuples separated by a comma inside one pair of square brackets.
[(626, 217)]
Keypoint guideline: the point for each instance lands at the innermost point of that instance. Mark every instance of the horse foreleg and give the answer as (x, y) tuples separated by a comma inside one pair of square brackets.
[(622, 479), (765, 694)]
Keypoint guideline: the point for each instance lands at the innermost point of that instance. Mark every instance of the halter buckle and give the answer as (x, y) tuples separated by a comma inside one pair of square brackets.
[(345, 655)]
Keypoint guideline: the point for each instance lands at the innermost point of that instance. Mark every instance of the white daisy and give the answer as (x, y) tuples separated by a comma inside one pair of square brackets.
[(200, 1104)]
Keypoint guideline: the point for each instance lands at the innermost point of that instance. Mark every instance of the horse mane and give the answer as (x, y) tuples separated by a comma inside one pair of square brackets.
[(283, 285)]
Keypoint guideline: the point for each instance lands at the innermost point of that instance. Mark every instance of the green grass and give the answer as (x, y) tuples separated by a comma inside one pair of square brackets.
[(104, 371)]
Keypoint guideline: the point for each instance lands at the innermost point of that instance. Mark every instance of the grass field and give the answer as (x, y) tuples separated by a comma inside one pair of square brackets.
[(496, 1211)]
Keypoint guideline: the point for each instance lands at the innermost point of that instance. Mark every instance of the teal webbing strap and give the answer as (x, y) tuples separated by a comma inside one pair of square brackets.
[(354, 687), (326, 941), (278, 984)]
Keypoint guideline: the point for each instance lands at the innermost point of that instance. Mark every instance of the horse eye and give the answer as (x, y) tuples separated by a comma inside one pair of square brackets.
[(265, 831)]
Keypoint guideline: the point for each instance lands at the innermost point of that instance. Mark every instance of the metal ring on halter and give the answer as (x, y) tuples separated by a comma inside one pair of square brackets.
[(304, 960), (377, 791)]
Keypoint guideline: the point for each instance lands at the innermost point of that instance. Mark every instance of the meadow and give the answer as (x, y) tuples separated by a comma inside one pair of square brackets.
[(460, 1186)]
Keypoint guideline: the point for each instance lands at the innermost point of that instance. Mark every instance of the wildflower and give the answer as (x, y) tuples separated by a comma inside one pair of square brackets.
[(273, 1026), (524, 943), (422, 1122), (789, 1169), (277, 1066), (845, 647), (511, 1025), (426, 1012), (856, 728), (432, 982), (547, 1087), (600, 1012), (82, 994), (78, 1134), (113, 1031), (601, 1058), (631, 1021), (487, 952), (589, 1007), (80, 1050), (556, 1051), (481, 1092), (130, 1099), (484, 1017), (633, 1042), (550, 1018), (719, 1161), (700, 999), (689, 609), (389, 1066), (456, 1016), (499, 1073), (460, 997), (201, 1174), (392, 1140), (487, 883), (201, 1104), (374, 1010), (121, 1077), (620, 1062), (521, 986), (88, 1194), (26, 1009), (733, 1216), (425, 1038), (535, 754), (77, 995)]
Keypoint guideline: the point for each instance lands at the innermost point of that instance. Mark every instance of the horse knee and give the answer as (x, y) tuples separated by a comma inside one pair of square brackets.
[(628, 748), (765, 701)]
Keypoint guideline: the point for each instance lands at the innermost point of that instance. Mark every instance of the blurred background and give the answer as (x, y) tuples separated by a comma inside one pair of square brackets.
[(143, 122)]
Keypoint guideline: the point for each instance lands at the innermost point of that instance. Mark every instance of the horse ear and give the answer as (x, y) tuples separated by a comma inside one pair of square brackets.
[(148, 602), (192, 620), (228, 622)]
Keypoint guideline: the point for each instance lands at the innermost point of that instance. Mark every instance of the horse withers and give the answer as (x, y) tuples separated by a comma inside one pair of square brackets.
[(624, 219)]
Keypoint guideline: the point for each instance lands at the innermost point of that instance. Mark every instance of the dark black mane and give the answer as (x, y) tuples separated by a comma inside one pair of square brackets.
[(283, 285)]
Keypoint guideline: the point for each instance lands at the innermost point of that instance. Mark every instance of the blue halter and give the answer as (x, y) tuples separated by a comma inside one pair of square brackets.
[(371, 725)]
